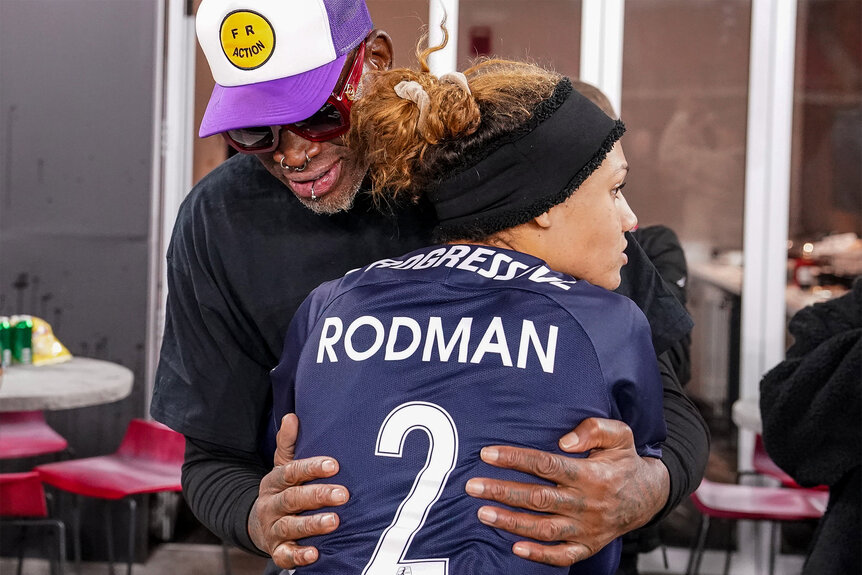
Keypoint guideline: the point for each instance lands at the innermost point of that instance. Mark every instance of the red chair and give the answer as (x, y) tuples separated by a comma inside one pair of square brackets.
[(23, 503), (27, 434), (755, 503), (764, 465), (149, 460)]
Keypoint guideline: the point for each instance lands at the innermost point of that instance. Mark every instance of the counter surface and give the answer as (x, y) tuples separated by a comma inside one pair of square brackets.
[(729, 278), (79, 382)]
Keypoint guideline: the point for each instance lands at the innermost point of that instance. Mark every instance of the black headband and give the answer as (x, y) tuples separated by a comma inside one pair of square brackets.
[(530, 170)]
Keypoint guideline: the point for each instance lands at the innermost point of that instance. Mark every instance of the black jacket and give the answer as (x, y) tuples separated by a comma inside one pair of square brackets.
[(811, 405)]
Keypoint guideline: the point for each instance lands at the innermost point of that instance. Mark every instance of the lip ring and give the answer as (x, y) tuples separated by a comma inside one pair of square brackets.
[(304, 181)]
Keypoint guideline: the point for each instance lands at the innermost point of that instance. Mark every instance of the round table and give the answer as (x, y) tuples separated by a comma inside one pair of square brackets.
[(79, 382)]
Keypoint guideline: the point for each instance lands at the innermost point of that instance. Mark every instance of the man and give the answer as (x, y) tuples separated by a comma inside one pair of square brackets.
[(261, 231)]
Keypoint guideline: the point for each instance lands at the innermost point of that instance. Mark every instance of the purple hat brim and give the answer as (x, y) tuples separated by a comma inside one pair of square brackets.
[(272, 103)]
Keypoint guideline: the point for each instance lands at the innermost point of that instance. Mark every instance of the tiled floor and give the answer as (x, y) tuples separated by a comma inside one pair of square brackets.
[(205, 559), (166, 559)]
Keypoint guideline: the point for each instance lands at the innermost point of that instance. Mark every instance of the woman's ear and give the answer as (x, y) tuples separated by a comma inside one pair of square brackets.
[(378, 50), (543, 220)]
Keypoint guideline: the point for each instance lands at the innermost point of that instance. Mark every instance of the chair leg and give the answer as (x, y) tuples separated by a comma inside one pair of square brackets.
[(76, 533), (58, 566), (225, 558), (758, 548), (697, 548), (22, 540), (774, 543), (691, 553), (727, 553), (133, 506), (701, 545), (61, 547), (109, 532), (49, 503)]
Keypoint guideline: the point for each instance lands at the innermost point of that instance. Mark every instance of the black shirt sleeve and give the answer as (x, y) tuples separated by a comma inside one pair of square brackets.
[(220, 486), (641, 282), (663, 248), (686, 450)]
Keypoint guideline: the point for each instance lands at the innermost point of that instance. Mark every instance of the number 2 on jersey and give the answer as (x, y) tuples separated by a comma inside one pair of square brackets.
[(388, 556)]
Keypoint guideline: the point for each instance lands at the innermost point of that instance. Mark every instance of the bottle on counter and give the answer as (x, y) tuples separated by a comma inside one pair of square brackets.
[(22, 339), (807, 268), (5, 342)]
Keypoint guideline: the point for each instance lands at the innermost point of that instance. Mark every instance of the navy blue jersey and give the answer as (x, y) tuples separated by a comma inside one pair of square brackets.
[(404, 369)]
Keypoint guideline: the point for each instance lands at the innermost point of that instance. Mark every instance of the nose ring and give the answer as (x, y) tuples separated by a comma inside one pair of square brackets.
[(291, 168)]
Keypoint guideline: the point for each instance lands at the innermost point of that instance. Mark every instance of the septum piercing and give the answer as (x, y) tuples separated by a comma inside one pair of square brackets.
[(291, 168)]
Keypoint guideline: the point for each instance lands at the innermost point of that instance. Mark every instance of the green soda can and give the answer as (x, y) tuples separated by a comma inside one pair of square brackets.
[(22, 340), (5, 342)]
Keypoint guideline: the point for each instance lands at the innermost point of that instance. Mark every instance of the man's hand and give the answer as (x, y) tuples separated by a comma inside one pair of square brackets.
[(274, 523), (595, 499)]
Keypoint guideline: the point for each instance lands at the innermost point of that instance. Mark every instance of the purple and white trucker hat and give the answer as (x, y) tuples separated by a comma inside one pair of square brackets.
[(275, 61)]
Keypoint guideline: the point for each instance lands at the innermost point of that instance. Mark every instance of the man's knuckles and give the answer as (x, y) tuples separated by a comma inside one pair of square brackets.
[(531, 461), (603, 433), (300, 471), (305, 498), (550, 466), (545, 499), (503, 493), (549, 530), (282, 456), (289, 555), (297, 527)]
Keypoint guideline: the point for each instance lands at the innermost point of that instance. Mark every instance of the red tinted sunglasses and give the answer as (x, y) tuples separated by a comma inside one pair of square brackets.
[(332, 120)]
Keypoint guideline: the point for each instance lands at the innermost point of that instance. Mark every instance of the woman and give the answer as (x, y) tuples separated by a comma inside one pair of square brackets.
[(505, 332)]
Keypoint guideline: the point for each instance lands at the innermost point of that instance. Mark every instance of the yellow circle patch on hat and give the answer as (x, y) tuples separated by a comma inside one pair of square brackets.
[(247, 39)]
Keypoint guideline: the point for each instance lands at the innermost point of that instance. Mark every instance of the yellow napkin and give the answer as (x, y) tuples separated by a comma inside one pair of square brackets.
[(47, 349)]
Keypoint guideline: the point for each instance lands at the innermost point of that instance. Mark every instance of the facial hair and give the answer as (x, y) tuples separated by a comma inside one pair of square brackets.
[(332, 203)]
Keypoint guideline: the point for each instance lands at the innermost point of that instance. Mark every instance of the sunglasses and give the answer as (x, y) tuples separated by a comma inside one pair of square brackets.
[(330, 121)]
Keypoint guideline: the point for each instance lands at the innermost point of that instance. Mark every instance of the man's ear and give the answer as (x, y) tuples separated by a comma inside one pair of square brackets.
[(378, 50)]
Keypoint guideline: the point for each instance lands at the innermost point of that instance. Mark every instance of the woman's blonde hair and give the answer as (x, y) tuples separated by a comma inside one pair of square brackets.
[(406, 158)]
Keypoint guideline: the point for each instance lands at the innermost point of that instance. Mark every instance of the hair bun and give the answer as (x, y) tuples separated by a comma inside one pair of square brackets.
[(448, 111), (456, 112)]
